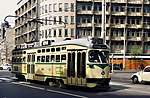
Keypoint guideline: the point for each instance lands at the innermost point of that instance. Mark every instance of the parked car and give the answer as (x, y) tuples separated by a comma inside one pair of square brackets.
[(5, 66), (141, 76)]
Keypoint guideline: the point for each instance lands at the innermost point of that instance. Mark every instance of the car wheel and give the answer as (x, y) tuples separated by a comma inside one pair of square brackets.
[(135, 80), (1, 68)]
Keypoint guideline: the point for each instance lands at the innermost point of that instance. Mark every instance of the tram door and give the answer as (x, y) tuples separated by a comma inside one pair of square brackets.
[(30, 65), (76, 73)]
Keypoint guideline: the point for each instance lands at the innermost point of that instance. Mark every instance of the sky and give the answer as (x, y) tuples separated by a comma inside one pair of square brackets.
[(7, 7)]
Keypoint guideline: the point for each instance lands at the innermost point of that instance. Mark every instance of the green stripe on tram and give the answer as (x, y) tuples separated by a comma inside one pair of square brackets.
[(99, 65), (49, 76), (56, 63)]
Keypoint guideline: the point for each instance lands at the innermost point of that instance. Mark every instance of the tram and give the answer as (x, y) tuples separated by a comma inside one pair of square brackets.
[(78, 62)]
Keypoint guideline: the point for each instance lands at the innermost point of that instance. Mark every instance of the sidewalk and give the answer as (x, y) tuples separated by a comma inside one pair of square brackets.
[(126, 74)]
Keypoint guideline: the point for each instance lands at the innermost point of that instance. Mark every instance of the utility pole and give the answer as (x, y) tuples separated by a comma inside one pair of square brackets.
[(36, 39), (93, 24), (103, 33)]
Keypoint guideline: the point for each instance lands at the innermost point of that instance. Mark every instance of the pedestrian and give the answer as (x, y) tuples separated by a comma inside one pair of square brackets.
[(141, 67), (121, 66)]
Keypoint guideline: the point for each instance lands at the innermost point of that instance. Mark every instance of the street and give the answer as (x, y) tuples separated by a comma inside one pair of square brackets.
[(120, 88)]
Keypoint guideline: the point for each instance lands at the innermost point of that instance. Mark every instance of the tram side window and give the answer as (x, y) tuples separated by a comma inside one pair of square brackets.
[(43, 50), (94, 56), (43, 59), (57, 49), (52, 58), (39, 51), (63, 58), (38, 58), (47, 58), (57, 58), (24, 59), (53, 50), (47, 50), (29, 58), (33, 58)]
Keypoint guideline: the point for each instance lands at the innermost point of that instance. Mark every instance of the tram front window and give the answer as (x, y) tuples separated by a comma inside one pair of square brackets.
[(98, 56)]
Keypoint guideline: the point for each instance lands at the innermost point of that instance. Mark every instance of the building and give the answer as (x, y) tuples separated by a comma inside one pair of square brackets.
[(126, 20), (7, 44)]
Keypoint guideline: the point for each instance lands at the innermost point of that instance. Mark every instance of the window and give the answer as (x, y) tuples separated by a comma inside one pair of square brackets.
[(60, 32), (54, 32), (50, 7), (63, 57), (54, 19), (42, 9), (66, 7), (43, 50), (72, 19), (47, 50), (57, 58), (49, 34), (72, 32), (89, 7), (45, 33), (66, 19), (83, 20), (52, 58), (54, 7), (52, 49), (60, 7), (72, 7), (39, 51), (45, 8), (43, 59), (89, 20), (83, 7), (63, 48), (38, 58), (66, 32), (47, 58), (60, 19), (57, 49), (45, 20)]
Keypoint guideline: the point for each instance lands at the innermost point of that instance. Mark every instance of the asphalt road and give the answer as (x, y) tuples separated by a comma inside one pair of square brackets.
[(11, 88)]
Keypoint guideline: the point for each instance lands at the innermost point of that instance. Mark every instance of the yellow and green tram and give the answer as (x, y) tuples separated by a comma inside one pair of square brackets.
[(78, 62)]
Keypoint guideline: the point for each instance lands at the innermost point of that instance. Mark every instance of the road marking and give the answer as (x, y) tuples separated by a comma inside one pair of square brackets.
[(54, 91), (5, 79), (132, 87)]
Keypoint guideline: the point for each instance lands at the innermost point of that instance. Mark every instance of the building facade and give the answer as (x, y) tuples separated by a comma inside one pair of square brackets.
[(126, 20)]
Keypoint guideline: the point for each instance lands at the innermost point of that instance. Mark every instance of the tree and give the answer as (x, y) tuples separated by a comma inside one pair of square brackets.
[(135, 51)]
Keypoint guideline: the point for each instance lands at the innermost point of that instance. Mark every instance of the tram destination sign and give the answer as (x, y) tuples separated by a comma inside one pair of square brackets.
[(98, 46)]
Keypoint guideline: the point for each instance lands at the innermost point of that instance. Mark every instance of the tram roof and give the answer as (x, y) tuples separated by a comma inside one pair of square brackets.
[(86, 42)]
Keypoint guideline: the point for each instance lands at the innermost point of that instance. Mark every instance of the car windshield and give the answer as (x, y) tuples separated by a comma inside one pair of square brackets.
[(98, 56)]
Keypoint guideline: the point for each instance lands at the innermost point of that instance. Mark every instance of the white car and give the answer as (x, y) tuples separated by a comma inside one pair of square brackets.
[(141, 76), (5, 66)]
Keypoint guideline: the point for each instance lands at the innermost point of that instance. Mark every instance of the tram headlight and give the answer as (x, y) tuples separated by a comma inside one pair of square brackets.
[(103, 73)]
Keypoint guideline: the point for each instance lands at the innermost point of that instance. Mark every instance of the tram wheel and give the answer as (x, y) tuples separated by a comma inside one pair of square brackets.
[(50, 83), (60, 84)]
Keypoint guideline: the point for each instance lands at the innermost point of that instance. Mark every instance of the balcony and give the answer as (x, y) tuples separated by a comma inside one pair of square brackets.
[(146, 2), (84, 0), (118, 1), (134, 26), (134, 2), (146, 14), (134, 39), (84, 25), (117, 25), (84, 12), (119, 13), (146, 26), (116, 38), (134, 14)]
